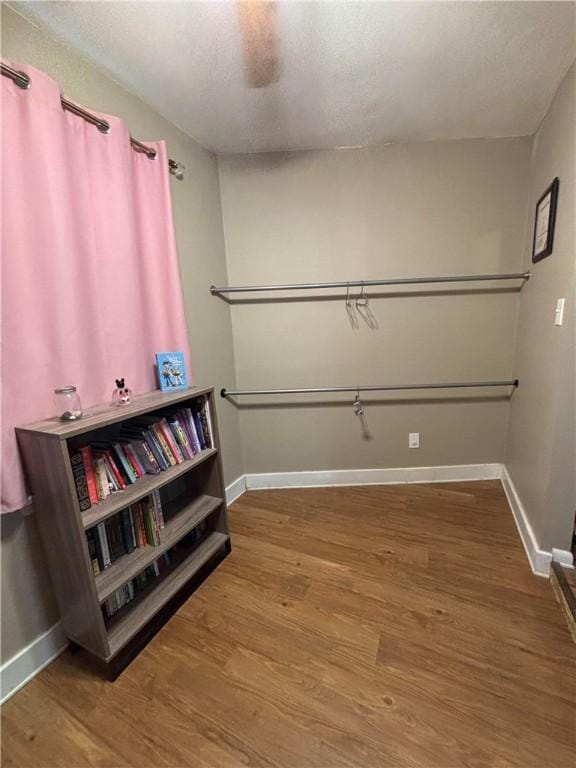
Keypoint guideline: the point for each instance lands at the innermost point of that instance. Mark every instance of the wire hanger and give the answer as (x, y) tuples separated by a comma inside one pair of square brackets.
[(362, 304), (350, 309)]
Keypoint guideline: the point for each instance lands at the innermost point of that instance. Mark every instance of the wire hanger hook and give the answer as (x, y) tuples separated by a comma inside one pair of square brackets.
[(358, 407), (350, 309)]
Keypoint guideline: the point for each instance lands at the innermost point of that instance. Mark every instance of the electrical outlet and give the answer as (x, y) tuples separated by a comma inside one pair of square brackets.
[(414, 440)]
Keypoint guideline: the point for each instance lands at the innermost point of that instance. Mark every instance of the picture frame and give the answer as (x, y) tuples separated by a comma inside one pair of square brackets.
[(544, 222), (171, 370)]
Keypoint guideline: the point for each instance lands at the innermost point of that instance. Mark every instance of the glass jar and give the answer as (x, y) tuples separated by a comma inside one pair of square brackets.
[(68, 403)]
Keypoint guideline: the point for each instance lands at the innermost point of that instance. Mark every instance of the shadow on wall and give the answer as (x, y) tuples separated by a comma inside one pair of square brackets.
[(32, 610)]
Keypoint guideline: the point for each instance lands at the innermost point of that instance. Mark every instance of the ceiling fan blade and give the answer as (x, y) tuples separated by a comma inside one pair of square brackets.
[(259, 31)]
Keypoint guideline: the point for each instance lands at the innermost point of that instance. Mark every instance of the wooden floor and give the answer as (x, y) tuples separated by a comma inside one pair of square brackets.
[(350, 627)]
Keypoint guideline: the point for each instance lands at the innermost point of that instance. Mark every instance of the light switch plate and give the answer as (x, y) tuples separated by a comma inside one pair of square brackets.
[(559, 313), (414, 440)]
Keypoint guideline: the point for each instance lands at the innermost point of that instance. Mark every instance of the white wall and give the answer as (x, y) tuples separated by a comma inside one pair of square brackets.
[(541, 453), (453, 207)]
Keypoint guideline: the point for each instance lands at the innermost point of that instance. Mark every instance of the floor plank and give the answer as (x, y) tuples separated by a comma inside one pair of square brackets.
[(356, 627)]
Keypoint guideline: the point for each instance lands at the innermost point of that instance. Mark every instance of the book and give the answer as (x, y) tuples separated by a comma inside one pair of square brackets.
[(202, 419), (133, 459), (145, 457), (171, 440), (127, 531), (199, 431), (103, 541), (124, 463), (209, 422), (156, 448), (183, 419), (152, 423), (181, 437), (112, 484), (120, 482), (93, 551), (115, 537), (157, 502), (139, 520), (87, 460), (80, 482), (158, 433), (171, 370), (101, 478), (192, 428), (142, 433)]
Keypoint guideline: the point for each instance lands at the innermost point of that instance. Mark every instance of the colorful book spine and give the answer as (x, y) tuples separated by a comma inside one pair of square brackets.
[(183, 419), (119, 453), (86, 453), (145, 457), (209, 423), (80, 482), (198, 426), (93, 551), (101, 478), (131, 459), (159, 433), (156, 449), (114, 468), (157, 502), (200, 410), (181, 438), (171, 440), (192, 426)]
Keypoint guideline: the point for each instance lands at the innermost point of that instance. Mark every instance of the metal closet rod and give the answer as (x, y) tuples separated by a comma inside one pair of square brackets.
[(371, 388), (215, 289), (22, 80)]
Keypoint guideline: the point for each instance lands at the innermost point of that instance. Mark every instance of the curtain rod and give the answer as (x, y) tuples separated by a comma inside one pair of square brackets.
[(370, 388), (217, 289), (23, 81)]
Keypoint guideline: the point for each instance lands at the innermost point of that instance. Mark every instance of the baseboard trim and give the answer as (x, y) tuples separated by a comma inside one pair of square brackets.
[(563, 557), (539, 559), (235, 489), (21, 668), (321, 479)]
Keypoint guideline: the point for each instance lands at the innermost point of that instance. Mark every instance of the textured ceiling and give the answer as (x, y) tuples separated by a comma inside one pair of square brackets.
[(353, 73)]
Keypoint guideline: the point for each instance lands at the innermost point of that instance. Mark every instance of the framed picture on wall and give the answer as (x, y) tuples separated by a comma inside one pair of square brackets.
[(544, 222)]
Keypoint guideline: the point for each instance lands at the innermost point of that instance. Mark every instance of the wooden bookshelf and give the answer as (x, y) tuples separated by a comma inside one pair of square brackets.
[(200, 499)]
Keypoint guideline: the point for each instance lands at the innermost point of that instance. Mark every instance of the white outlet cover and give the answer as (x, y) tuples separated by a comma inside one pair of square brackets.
[(559, 312), (414, 440)]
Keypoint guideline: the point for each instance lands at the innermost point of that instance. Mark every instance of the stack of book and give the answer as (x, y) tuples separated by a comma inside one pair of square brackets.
[(127, 592), (137, 526), (147, 445)]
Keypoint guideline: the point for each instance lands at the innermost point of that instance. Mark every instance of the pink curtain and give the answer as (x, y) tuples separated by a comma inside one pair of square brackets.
[(90, 280)]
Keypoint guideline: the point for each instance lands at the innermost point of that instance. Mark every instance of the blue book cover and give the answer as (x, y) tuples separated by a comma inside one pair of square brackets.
[(171, 371)]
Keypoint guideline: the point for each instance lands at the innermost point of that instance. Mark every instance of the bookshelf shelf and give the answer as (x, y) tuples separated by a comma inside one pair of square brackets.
[(128, 566), (158, 578), (132, 621), (141, 488)]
